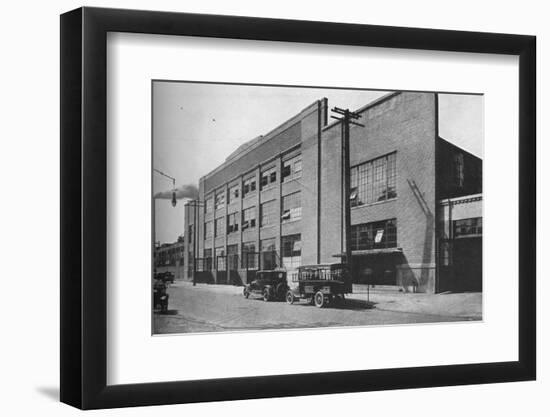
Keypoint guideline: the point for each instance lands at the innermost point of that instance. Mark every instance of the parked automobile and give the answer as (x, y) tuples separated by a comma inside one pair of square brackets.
[(320, 284), (166, 276), (270, 285)]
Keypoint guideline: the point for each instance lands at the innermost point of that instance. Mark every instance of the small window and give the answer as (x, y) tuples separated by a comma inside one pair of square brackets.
[(249, 186), (268, 177)]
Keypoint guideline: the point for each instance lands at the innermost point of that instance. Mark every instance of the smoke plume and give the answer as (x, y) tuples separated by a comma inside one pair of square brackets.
[(183, 191)]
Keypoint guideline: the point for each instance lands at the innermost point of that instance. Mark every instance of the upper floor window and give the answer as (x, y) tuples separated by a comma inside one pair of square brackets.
[(249, 186), (373, 181), (219, 231), (268, 213), (220, 201), (292, 168), (209, 205), (292, 207), (233, 194), (249, 218), (269, 176), (208, 229), (232, 222)]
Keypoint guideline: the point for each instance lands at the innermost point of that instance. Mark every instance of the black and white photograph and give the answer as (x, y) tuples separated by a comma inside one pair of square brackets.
[(299, 207)]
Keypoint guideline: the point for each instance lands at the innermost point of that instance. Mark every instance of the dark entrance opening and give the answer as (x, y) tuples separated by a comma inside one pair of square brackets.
[(375, 269), (460, 265)]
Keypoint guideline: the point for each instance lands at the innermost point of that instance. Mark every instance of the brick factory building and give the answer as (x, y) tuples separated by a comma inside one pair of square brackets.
[(277, 201)]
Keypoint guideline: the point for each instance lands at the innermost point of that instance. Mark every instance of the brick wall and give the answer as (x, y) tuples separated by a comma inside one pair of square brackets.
[(403, 123)]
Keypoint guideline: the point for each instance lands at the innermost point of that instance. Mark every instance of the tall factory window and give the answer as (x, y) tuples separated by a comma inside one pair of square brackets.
[(292, 168), (292, 207), (207, 261), (269, 255), (468, 227), (249, 186), (249, 255), (220, 259), (208, 229), (209, 205), (375, 235), (292, 251), (219, 231), (220, 200), (269, 176), (232, 222), (249, 218), (268, 214), (233, 194), (233, 257), (373, 181)]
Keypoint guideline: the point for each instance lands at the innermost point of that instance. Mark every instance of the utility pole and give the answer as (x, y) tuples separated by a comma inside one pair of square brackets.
[(347, 118), (195, 204)]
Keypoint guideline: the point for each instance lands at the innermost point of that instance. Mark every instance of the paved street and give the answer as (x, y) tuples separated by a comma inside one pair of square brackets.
[(207, 308)]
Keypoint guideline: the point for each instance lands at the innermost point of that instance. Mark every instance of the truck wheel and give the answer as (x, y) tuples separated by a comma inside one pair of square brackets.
[(246, 293), (289, 297), (319, 299), (267, 295)]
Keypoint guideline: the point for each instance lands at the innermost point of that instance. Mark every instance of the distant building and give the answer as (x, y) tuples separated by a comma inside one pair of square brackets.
[(277, 201), (170, 257)]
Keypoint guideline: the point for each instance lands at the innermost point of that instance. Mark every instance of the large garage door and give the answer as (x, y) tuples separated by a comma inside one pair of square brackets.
[(467, 262)]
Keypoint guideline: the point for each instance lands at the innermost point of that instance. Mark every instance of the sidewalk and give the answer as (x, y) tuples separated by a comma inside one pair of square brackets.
[(465, 305)]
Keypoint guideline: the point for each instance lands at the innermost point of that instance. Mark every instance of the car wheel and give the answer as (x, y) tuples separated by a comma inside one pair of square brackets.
[(289, 297), (319, 299), (246, 293), (267, 295)]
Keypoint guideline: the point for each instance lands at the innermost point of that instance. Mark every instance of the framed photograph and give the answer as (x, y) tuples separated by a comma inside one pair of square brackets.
[(257, 208)]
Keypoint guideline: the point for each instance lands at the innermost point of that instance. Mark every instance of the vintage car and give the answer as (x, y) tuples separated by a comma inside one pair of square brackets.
[(165, 276), (270, 285), (320, 284)]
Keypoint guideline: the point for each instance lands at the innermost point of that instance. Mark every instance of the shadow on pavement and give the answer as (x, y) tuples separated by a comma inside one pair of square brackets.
[(166, 313), (347, 304)]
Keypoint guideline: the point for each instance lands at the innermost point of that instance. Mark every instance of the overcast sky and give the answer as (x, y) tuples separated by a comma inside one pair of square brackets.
[(196, 126)]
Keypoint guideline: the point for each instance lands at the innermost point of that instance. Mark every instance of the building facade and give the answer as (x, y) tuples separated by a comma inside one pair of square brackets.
[(278, 200), (170, 257)]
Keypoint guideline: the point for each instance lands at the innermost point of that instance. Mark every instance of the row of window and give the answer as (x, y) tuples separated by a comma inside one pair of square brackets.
[(291, 210), (265, 258), (374, 235), (291, 170)]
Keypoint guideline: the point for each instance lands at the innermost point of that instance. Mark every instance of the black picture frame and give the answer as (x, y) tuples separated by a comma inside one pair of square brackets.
[(84, 207)]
